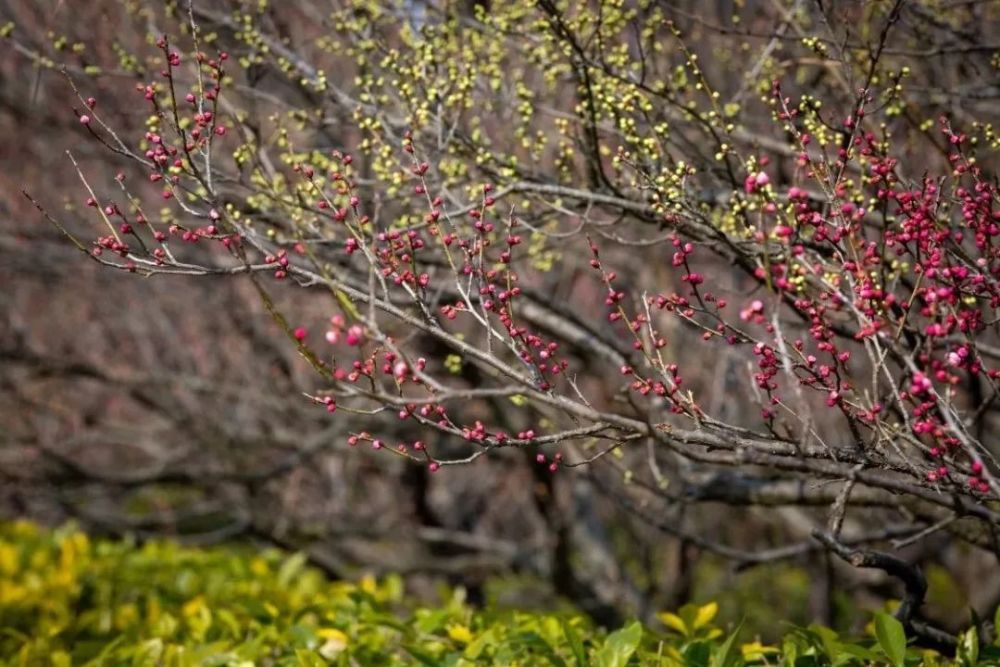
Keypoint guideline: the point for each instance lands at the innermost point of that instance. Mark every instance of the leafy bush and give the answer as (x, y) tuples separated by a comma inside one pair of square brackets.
[(65, 600)]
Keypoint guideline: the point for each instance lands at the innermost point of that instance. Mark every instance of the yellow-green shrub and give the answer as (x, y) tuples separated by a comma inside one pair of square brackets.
[(68, 600)]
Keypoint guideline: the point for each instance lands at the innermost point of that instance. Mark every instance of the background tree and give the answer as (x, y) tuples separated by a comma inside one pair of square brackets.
[(585, 275)]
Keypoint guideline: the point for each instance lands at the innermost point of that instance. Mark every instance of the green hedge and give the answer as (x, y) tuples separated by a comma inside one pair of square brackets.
[(66, 600)]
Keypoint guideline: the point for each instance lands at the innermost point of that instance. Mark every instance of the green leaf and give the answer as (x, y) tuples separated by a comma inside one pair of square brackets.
[(290, 568), (620, 645), (697, 654), (968, 647), (674, 622), (726, 655), (704, 615), (109, 648), (855, 651), (148, 653), (996, 626), (891, 637), (536, 641), (424, 657), (307, 658), (575, 644), (477, 645)]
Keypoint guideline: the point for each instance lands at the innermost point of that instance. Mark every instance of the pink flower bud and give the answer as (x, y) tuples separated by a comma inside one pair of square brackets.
[(354, 335)]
